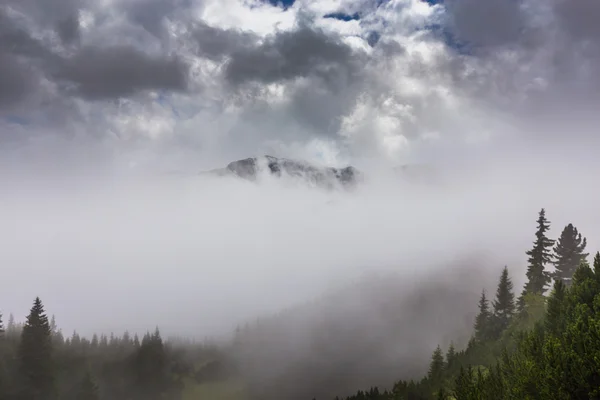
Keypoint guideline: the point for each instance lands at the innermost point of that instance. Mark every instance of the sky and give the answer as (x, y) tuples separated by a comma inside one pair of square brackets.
[(96, 93)]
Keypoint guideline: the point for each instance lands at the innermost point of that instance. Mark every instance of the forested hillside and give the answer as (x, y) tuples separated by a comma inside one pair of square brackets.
[(38, 363), (539, 346)]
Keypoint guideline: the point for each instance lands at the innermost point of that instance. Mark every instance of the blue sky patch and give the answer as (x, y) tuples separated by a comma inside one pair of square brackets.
[(282, 3), (449, 38), (343, 16), (14, 119)]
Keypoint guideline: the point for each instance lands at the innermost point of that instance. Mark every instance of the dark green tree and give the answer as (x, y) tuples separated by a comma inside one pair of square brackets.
[(436, 366), (504, 304), (483, 319), (450, 356), (555, 313), (36, 369), (539, 256), (521, 301), (1, 326), (88, 390), (442, 395), (463, 384), (568, 254), (150, 365)]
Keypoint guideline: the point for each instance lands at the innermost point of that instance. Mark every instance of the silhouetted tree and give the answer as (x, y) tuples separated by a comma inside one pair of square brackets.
[(88, 390), (436, 366), (555, 312), (36, 369), (483, 319), (450, 356), (539, 256), (150, 368), (568, 254), (504, 304)]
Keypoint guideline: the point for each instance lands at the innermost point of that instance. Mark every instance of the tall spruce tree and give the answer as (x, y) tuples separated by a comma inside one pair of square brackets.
[(568, 254), (504, 304), (36, 370), (436, 366), (451, 355), (1, 326), (539, 256), (483, 319), (150, 366), (555, 311), (88, 390), (521, 301)]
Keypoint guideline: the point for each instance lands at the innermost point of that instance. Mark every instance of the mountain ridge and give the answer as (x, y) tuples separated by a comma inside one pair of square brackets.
[(329, 177), (254, 169)]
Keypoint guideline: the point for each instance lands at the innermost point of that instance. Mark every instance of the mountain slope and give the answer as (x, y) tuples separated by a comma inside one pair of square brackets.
[(369, 333), (328, 177)]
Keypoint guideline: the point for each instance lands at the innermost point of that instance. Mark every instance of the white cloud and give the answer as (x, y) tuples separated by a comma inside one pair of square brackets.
[(253, 15)]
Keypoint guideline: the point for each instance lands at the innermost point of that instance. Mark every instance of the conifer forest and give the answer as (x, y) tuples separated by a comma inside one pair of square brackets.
[(539, 343)]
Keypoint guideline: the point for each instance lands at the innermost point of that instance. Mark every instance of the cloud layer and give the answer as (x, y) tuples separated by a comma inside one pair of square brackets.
[(502, 89), (332, 81)]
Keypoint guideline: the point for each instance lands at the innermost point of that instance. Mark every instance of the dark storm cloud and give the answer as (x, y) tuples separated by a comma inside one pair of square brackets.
[(89, 72), (14, 39), (301, 53), (101, 73), (18, 54), (49, 12), (320, 108), (486, 22), (68, 29), (579, 18), (215, 43), (15, 81), (151, 14)]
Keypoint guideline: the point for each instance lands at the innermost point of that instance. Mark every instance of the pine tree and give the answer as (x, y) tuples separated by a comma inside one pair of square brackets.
[(450, 355), (436, 367), (150, 368), (1, 326), (504, 304), (442, 394), (463, 384), (539, 256), (568, 254), (521, 301), (53, 327), (87, 389), (11, 326), (36, 371), (555, 312), (597, 265), (94, 343), (483, 319)]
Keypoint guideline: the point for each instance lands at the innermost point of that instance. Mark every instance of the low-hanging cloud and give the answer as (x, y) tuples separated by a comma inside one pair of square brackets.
[(113, 91), (198, 255)]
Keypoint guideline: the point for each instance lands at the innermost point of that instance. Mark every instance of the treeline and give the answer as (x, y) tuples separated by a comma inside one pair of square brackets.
[(38, 363), (535, 347)]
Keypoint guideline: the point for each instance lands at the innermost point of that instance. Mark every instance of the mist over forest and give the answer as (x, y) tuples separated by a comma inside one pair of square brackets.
[(299, 199)]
